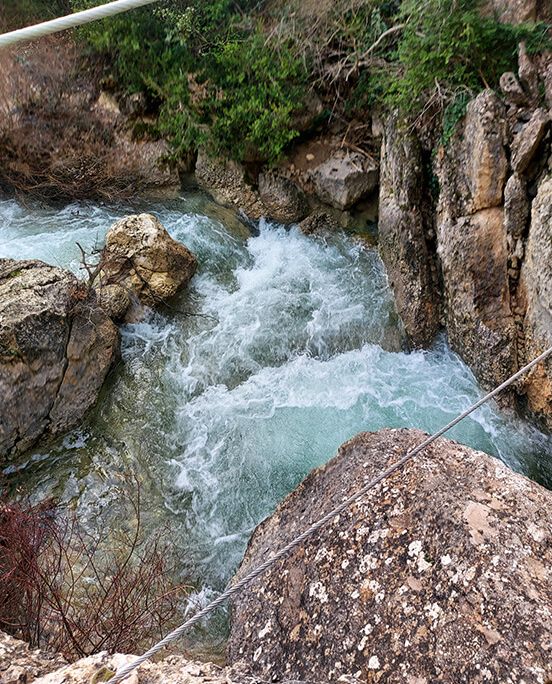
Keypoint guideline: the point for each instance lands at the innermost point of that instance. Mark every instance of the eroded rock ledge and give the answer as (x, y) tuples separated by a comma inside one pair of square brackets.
[(442, 574)]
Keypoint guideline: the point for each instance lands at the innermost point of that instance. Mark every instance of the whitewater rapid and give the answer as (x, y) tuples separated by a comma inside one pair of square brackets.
[(283, 348)]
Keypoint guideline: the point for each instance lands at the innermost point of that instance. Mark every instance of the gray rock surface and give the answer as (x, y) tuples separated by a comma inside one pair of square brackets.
[(226, 182), (56, 347), (440, 574), (20, 664), (472, 244), (344, 179), (319, 223), (512, 90), (536, 285), (527, 141), (514, 11), (284, 202), (473, 168), (474, 262), (516, 206), (141, 257), (404, 235)]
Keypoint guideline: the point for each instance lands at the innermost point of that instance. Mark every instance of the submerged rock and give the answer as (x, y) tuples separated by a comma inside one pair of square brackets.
[(142, 258), (440, 574), (345, 178), (56, 347)]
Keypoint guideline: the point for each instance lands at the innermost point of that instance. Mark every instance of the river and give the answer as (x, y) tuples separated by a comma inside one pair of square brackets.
[(283, 348)]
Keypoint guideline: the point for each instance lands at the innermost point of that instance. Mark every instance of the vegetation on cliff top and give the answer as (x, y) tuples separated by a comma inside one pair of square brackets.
[(232, 74)]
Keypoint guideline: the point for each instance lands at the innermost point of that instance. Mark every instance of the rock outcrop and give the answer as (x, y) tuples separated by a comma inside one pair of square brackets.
[(483, 218), (440, 574), (227, 183), (485, 269), (141, 260), (536, 291), (405, 234), (56, 348), (284, 202), (21, 665), (345, 178)]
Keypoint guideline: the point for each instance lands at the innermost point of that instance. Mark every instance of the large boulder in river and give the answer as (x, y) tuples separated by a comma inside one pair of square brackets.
[(56, 347), (141, 258), (442, 573)]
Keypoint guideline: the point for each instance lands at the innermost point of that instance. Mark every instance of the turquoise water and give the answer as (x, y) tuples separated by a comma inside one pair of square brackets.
[(283, 348)]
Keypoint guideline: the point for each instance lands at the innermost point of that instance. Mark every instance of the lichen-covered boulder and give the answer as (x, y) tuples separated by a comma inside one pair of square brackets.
[(442, 573), (345, 178), (56, 347), (142, 257)]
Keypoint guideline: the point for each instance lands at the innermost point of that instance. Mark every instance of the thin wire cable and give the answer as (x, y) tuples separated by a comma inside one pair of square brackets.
[(284, 551), (70, 21)]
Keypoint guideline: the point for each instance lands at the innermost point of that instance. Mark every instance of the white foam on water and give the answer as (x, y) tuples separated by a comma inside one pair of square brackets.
[(283, 348)]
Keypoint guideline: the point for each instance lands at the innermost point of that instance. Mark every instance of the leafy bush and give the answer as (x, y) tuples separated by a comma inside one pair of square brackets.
[(17, 13), (210, 73), (449, 46), (219, 73)]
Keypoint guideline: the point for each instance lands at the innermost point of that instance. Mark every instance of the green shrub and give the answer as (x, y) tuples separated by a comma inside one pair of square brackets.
[(245, 92), (448, 46), (219, 76), (18, 13)]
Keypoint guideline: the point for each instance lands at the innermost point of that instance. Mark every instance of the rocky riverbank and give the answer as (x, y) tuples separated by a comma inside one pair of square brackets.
[(440, 574), (58, 340), (474, 259)]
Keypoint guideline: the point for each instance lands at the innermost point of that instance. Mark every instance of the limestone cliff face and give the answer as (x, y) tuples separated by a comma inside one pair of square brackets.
[(492, 233), (441, 574), (405, 233), (471, 241), (536, 287)]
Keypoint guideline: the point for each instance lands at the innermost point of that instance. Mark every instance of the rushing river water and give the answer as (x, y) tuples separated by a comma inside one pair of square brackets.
[(283, 348)]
